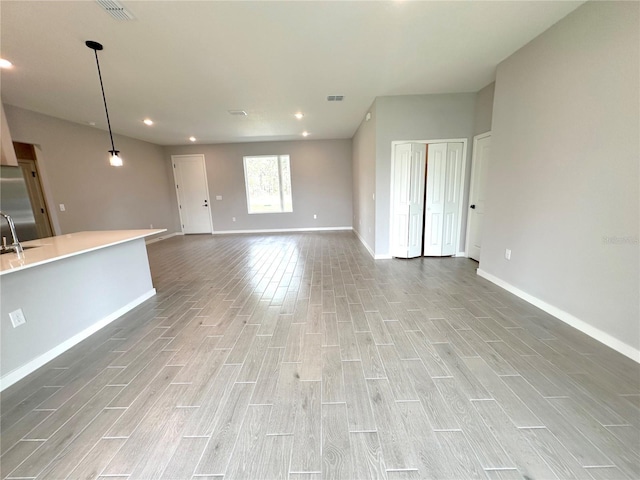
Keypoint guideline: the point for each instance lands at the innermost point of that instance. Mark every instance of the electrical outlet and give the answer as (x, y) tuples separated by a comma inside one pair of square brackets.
[(507, 254), (17, 318), (62, 209), (218, 197), (315, 216), (233, 219), (151, 225)]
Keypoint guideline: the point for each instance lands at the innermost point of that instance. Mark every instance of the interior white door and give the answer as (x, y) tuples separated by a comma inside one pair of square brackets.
[(190, 177), (407, 195), (452, 199), (435, 199), (477, 194)]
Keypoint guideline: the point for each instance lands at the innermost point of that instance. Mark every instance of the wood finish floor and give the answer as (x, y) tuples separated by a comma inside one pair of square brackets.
[(298, 356)]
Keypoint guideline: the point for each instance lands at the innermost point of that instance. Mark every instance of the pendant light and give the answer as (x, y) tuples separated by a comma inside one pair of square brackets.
[(114, 160)]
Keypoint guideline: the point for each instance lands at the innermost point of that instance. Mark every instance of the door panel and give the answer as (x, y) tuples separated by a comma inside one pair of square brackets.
[(453, 199), (435, 199), (401, 189), (407, 200), (477, 194), (193, 194), (36, 196), (416, 202)]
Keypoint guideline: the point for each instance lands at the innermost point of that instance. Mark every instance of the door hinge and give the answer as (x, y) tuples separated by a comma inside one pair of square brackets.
[(42, 210), (33, 174)]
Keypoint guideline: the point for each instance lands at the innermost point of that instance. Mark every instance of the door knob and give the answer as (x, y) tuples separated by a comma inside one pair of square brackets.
[(472, 206)]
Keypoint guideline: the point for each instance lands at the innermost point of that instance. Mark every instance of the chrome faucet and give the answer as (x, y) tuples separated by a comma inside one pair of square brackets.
[(14, 236)]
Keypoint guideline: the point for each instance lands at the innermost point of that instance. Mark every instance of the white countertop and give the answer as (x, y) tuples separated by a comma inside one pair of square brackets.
[(51, 249)]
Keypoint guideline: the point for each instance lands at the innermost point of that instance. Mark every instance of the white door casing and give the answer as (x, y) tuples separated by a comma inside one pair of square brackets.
[(407, 192), (190, 176), (477, 193)]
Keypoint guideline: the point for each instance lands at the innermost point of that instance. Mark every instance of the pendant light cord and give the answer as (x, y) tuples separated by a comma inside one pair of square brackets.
[(104, 99)]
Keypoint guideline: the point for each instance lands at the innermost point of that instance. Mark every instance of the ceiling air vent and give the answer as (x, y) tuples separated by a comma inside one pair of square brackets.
[(335, 98), (240, 113), (115, 9)]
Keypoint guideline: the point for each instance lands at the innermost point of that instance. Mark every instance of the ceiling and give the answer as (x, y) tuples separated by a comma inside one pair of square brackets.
[(185, 64)]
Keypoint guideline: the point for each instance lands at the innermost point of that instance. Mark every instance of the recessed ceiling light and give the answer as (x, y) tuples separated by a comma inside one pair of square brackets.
[(5, 63), (147, 121), (299, 115), (193, 139), (305, 134)]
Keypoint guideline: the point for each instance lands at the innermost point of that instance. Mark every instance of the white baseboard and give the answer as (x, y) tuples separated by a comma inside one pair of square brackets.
[(163, 237), (366, 245), (461, 254), (386, 256), (21, 372), (584, 327), (283, 230)]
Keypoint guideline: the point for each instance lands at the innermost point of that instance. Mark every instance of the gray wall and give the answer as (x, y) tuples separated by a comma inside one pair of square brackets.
[(416, 117), (320, 177), (74, 164), (484, 109), (564, 178), (64, 298), (364, 179)]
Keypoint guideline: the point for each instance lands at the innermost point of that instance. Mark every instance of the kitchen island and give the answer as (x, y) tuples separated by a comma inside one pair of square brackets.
[(67, 287)]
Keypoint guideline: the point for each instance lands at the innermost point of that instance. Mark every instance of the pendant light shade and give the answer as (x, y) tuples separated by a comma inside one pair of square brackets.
[(114, 159)]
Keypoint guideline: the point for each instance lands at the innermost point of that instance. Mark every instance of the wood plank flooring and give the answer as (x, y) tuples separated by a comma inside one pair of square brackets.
[(299, 357)]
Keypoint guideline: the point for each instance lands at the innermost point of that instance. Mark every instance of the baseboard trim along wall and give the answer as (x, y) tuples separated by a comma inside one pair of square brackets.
[(584, 327), (283, 230), (21, 372), (366, 245)]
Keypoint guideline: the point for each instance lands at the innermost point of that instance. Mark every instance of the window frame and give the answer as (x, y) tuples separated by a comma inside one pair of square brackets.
[(279, 159)]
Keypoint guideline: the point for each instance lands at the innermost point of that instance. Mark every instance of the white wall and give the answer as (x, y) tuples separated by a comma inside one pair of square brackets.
[(364, 180), (484, 109), (7, 153), (74, 164), (564, 178), (416, 117), (320, 183)]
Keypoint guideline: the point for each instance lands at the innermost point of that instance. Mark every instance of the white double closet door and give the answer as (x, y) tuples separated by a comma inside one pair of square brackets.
[(445, 183), (426, 222)]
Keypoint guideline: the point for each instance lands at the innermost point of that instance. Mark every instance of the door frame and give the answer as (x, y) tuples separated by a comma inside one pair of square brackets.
[(461, 210), (206, 185), (471, 186)]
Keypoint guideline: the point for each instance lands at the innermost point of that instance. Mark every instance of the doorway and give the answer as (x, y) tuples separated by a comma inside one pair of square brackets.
[(27, 161), (192, 191), (439, 195)]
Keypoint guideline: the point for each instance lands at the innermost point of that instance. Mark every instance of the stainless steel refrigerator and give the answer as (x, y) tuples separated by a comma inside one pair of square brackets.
[(14, 201)]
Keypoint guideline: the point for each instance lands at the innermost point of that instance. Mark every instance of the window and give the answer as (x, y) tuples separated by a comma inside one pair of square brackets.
[(268, 183)]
